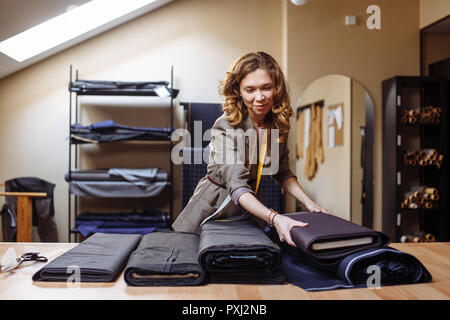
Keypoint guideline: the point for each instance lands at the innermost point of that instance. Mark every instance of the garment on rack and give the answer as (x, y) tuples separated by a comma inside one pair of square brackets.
[(314, 150), (165, 259), (328, 239), (108, 131), (99, 258), (300, 133), (43, 207), (357, 270), (99, 87), (238, 252), (9, 224)]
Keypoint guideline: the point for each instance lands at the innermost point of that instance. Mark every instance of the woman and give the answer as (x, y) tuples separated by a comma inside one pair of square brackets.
[(256, 99)]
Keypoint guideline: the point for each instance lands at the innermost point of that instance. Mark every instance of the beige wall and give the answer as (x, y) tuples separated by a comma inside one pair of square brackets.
[(432, 11), (319, 44), (330, 187), (199, 38)]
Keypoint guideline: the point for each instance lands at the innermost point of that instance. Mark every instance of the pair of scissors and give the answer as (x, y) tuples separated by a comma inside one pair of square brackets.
[(29, 256)]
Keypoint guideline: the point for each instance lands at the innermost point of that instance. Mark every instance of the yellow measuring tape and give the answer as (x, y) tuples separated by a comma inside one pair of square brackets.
[(261, 159)]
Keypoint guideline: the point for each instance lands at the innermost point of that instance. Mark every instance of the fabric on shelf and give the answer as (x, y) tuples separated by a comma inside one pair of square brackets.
[(117, 174), (165, 259), (144, 216), (128, 223), (99, 87), (96, 227), (238, 252), (116, 189), (100, 258), (108, 131)]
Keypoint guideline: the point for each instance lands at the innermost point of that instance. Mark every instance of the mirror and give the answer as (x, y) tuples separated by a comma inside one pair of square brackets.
[(334, 165)]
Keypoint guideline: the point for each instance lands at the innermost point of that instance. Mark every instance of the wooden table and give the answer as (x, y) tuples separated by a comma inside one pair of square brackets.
[(17, 284)]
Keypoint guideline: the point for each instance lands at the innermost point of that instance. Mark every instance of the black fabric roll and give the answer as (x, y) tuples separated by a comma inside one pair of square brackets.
[(396, 267), (238, 252), (357, 270), (165, 259), (329, 228), (100, 258)]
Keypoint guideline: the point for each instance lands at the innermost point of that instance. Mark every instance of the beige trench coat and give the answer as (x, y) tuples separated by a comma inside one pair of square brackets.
[(227, 144)]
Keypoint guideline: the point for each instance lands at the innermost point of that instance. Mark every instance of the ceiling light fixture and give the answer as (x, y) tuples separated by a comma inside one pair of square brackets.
[(299, 2), (67, 26)]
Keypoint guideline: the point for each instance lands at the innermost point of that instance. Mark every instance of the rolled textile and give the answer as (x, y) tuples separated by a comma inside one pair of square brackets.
[(165, 259), (366, 268), (100, 258), (238, 252), (328, 239)]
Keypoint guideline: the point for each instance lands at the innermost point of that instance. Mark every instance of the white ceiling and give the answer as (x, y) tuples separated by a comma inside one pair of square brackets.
[(19, 15)]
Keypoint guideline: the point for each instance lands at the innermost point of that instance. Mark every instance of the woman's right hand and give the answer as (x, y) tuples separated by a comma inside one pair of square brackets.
[(284, 225)]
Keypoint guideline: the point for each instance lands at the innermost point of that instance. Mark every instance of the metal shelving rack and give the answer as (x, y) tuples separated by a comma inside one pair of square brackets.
[(73, 115)]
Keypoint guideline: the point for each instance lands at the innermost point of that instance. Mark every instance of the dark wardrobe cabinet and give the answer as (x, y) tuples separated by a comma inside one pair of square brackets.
[(414, 186)]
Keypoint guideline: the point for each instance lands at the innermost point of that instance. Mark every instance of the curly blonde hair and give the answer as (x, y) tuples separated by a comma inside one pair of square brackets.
[(234, 107)]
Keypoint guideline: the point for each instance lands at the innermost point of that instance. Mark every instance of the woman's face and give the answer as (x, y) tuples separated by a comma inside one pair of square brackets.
[(257, 91)]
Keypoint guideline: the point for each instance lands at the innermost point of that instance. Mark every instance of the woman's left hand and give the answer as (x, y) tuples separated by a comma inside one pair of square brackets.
[(314, 207)]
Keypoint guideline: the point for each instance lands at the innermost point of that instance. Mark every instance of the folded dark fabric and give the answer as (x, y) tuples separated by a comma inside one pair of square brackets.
[(116, 189), (91, 227), (100, 258), (357, 270), (90, 134), (328, 239), (111, 175), (144, 216), (238, 252), (99, 87), (165, 259)]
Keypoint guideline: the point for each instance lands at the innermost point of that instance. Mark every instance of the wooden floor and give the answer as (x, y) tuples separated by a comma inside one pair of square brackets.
[(18, 284)]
